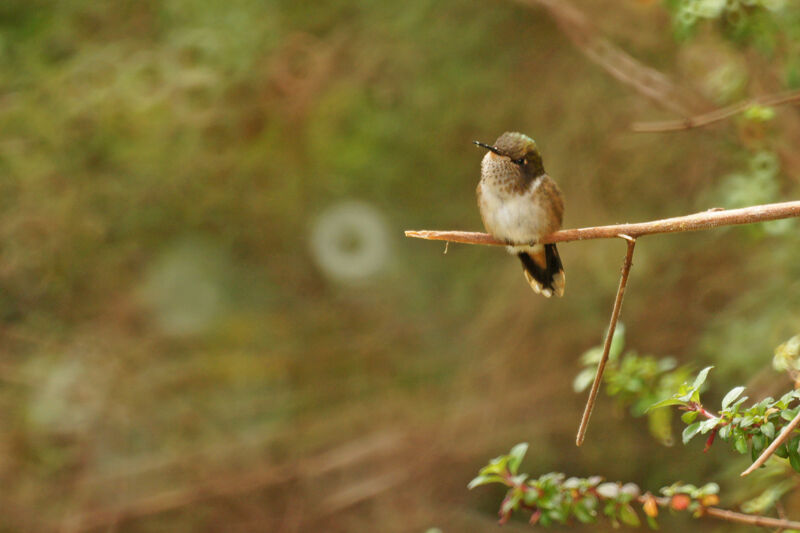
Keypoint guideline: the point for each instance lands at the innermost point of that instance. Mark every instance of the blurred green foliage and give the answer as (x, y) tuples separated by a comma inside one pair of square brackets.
[(167, 328)]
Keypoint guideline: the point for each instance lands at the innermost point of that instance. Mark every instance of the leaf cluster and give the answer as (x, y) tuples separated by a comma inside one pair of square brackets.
[(753, 427), (739, 20), (554, 498), (637, 381)]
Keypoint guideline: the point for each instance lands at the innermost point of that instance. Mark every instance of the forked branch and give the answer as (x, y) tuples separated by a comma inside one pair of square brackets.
[(790, 97), (713, 218)]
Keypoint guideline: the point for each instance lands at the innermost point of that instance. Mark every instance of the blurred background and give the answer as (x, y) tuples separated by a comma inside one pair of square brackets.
[(210, 319)]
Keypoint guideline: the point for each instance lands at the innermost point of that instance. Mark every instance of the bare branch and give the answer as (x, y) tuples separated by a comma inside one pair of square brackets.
[(782, 437), (788, 97), (598, 377), (713, 218)]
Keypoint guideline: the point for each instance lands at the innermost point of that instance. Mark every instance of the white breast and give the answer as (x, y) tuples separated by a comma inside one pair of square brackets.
[(512, 217)]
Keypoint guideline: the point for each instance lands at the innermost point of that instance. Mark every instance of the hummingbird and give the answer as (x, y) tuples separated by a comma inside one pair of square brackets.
[(520, 204)]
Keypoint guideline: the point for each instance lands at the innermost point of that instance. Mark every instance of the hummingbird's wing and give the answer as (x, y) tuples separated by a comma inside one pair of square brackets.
[(555, 202)]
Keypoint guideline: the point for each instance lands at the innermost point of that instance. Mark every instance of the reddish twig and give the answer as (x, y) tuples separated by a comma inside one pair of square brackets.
[(712, 218), (716, 115), (782, 436), (733, 516), (598, 377)]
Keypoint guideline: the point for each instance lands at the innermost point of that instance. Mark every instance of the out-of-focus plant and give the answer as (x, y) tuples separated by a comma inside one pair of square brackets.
[(787, 358), (557, 499), (740, 20), (637, 381), (770, 26)]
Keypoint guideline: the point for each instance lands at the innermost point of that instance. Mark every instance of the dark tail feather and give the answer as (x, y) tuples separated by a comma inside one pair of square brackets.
[(543, 270)]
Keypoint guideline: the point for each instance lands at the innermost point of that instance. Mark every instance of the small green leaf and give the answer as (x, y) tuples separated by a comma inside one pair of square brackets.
[(666, 403), (484, 480), (759, 113), (756, 445), (629, 516), (608, 490), (497, 465), (740, 444), (731, 396), (652, 522), (768, 430), (701, 378), (617, 342), (708, 425), (583, 379), (746, 421), (794, 453), (689, 416), (592, 356), (709, 488), (516, 455), (758, 441), (794, 460), (630, 491), (690, 431), (782, 451), (583, 514)]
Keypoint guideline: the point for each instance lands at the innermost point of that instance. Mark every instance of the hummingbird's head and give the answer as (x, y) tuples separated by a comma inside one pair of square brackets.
[(520, 149)]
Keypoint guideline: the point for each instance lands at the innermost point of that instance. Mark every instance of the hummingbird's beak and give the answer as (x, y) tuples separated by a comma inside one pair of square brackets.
[(488, 147)]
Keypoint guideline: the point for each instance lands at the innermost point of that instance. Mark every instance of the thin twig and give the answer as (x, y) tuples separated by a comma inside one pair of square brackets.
[(716, 115), (598, 377), (733, 516), (782, 436), (618, 63), (698, 221)]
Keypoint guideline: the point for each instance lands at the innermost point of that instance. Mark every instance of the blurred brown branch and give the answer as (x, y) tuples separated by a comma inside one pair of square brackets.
[(705, 119), (621, 65), (710, 219), (257, 478)]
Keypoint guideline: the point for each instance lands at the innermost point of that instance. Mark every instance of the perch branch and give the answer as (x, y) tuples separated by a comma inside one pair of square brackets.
[(712, 218), (716, 115), (598, 377), (782, 436)]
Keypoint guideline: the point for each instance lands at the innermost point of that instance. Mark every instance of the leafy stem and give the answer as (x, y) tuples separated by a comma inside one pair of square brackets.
[(556, 499)]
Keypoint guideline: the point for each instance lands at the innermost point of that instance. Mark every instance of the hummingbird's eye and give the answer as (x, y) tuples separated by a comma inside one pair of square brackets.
[(520, 161)]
